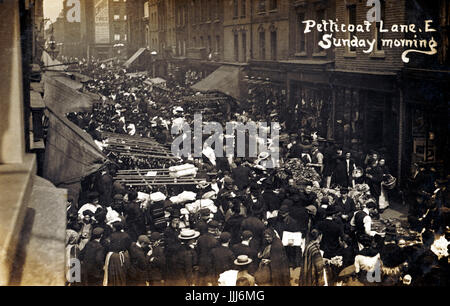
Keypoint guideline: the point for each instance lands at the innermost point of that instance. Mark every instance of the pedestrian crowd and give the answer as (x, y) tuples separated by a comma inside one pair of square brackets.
[(315, 220)]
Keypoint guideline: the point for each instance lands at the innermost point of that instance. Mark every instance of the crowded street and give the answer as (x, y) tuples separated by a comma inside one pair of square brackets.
[(322, 215)]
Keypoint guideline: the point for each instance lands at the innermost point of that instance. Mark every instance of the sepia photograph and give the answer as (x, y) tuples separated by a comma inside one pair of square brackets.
[(206, 145)]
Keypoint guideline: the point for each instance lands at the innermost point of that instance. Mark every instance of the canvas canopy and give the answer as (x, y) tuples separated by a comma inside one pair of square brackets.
[(225, 79), (71, 154), (134, 57), (62, 94)]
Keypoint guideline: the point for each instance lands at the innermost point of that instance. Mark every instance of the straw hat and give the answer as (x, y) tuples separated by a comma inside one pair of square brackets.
[(242, 260), (188, 234)]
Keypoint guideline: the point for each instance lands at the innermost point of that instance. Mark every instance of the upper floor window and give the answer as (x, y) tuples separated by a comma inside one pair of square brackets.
[(320, 15), (116, 17), (236, 47), (351, 19), (235, 8), (377, 34), (273, 5), (146, 11), (262, 45), (301, 44), (273, 45), (243, 8), (262, 6), (244, 47)]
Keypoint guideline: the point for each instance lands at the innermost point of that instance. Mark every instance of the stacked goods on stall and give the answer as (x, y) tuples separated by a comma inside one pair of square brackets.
[(295, 169), (183, 170)]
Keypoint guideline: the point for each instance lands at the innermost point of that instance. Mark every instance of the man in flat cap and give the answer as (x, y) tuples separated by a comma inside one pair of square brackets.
[(205, 243), (157, 260), (222, 256), (138, 273), (92, 259)]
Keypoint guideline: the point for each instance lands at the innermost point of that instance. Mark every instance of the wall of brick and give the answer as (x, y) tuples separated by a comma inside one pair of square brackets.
[(394, 14)]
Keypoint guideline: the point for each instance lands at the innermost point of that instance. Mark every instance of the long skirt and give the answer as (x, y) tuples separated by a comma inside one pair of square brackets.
[(116, 268), (383, 200)]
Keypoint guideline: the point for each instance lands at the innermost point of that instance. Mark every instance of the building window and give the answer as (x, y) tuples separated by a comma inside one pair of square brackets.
[(351, 19), (262, 6), (273, 45), (244, 47), (210, 5), (273, 5), (262, 45), (125, 17), (201, 42), (378, 34), (146, 12), (301, 44), (218, 44), (243, 8), (116, 17), (320, 15), (116, 37), (235, 8), (236, 47), (216, 9), (125, 37), (209, 44), (204, 8)]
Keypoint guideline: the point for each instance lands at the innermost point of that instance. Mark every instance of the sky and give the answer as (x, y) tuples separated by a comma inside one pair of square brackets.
[(52, 8)]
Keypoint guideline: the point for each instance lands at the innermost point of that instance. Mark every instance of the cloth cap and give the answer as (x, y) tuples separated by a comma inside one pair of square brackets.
[(155, 236), (97, 232), (311, 209), (247, 235), (283, 209), (225, 237), (331, 210), (143, 239), (88, 213), (287, 202), (175, 214), (213, 224), (228, 180), (204, 212), (118, 197), (93, 195)]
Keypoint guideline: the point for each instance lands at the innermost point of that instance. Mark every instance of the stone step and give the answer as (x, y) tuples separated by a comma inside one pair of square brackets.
[(40, 260)]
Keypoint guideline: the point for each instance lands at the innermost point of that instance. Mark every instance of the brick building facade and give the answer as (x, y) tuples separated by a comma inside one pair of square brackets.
[(362, 100)]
